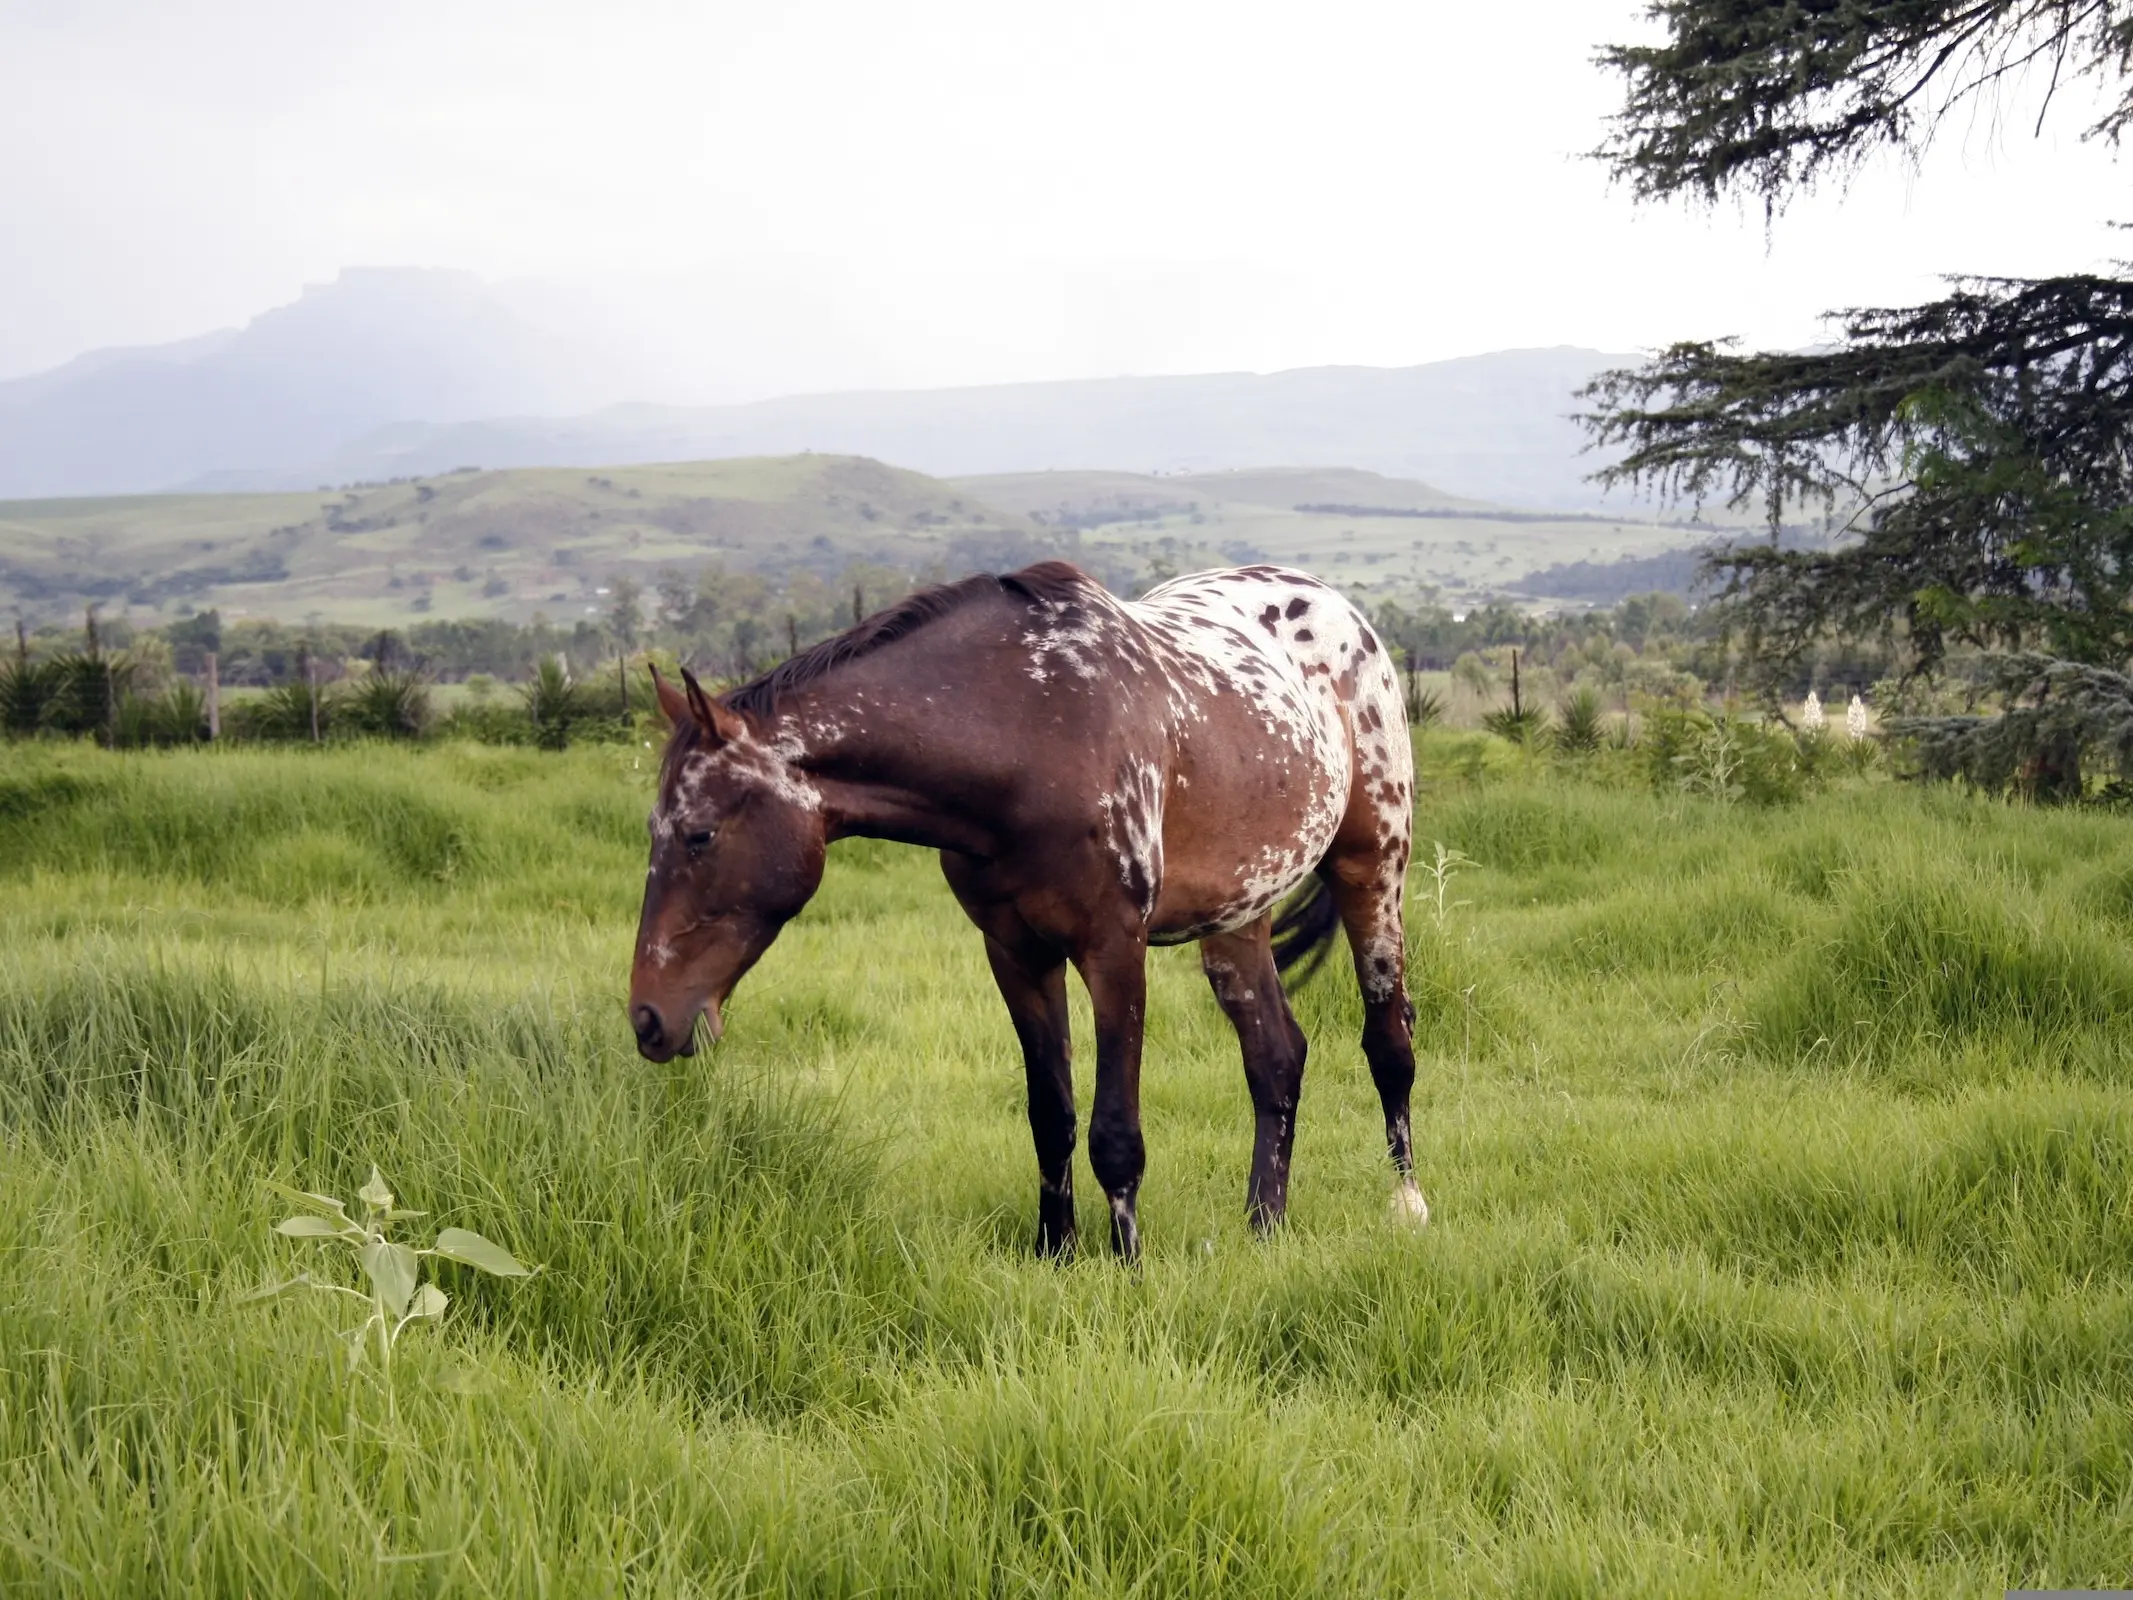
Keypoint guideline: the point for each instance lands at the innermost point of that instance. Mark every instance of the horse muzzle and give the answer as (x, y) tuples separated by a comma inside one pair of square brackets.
[(661, 1040)]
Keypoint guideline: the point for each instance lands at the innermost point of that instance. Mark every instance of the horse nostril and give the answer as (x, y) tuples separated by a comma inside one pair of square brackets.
[(646, 1021)]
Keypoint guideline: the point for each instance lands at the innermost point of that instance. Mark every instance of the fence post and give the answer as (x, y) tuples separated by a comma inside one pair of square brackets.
[(214, 697), (311, 679), (622, 677)]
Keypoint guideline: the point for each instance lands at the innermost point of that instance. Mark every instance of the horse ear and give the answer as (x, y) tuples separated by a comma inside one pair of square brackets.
[(673, 704), (722, 725)]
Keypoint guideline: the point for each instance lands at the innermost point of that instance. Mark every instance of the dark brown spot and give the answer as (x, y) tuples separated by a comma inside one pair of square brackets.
[(1298, 607), (1304, 635), (1268, 617), (1370, 641)]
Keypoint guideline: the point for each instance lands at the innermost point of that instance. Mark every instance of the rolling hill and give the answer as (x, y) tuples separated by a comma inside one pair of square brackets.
[(526, 540), (490, 543)]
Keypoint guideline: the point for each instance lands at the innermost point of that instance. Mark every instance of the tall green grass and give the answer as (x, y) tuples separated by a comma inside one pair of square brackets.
[(1782, 1165)]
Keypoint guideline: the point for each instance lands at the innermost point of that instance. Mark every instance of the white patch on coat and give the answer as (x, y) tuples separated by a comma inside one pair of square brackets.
[(1317, 678), (1133, 831)]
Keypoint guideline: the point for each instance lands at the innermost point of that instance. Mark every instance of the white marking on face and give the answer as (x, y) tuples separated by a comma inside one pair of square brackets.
[(745, 763)]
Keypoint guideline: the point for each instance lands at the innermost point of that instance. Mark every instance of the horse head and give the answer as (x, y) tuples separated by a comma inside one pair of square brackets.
[(738, 844)]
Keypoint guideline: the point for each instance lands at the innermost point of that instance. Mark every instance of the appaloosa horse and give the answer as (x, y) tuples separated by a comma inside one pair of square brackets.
[(1098, 776)]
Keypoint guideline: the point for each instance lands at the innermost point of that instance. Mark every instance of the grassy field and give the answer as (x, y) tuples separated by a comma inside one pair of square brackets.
[(1780, 1161), (1464, 550)]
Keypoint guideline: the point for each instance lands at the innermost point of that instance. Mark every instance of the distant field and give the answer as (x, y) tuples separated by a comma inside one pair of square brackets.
[(1460, 548), (482, 543), (513, 543), (1781, 1165)]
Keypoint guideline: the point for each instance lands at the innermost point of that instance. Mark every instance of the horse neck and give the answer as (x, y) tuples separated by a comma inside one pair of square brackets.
[(866, 752)]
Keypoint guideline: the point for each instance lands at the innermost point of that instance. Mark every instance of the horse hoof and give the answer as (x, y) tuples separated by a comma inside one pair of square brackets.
[(1409, 1207)]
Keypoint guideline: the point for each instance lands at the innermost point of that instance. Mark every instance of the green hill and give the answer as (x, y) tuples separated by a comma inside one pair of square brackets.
[(553, 540), (506, 543), (1364, 531)]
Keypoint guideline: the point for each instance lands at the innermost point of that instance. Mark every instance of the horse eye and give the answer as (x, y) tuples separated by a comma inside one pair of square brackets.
[(697, 842)]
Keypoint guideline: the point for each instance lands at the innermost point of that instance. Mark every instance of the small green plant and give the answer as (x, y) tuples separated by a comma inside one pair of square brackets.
[(181, 713), (388, 705), (1726, 758), (554, 702), (290, 711), (1711, 765), (1524, 726), (1518, 723), (396, 1298), (26, 688), (1583, 724), (1440, 873), (1425, 707)]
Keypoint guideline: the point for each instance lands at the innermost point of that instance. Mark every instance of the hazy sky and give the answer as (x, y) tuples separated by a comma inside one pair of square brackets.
[(936, 191)]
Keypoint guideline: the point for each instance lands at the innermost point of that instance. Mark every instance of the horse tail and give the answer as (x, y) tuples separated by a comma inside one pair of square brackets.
[(1304, 929)]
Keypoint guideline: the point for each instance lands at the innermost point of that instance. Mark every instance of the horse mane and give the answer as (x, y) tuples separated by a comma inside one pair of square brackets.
[(1055, 581)]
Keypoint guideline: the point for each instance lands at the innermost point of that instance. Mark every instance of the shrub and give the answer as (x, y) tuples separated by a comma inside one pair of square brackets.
[(285, 712), (26, 689), (1425, 707), (554, 702), (387, 705), (1724, 758), (1524, 726), (1584, 724)]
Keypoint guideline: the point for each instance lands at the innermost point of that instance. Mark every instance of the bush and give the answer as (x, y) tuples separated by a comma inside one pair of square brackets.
[(554, 702), (1583, 725), (1524, 726), (26, 689), (387, 705), (284, 713), (1725, 758)]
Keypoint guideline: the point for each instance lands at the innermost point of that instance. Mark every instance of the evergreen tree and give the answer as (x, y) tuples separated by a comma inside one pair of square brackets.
[(1980, 447)]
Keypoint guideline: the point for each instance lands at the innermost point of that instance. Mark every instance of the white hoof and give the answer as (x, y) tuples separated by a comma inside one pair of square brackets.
[(1409, 1207)]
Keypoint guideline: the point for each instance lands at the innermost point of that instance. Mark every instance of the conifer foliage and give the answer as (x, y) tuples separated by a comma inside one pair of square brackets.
[(1978, 449)]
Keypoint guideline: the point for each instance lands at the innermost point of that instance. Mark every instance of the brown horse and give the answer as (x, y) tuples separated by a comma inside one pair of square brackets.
[(1098, 776)]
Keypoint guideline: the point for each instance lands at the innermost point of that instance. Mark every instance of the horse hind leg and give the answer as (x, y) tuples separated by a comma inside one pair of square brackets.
[(1240, 969), (1367, 890)]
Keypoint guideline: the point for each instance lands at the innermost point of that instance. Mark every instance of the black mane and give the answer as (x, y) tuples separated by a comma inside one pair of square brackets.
[(1057, 581)]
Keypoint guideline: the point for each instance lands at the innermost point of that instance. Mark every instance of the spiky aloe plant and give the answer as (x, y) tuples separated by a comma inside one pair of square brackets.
[(26, 688), (554, 702), (1582, 725), (388, 705)]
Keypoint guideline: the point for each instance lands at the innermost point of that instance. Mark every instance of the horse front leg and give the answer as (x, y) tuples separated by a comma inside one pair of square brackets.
[(1117, 980), (1032, 980)]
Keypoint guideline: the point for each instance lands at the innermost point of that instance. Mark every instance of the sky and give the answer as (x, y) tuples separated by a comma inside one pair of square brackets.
[(759, 198)]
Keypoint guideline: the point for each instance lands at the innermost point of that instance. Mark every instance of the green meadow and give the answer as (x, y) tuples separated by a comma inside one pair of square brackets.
[(1781, 1163)]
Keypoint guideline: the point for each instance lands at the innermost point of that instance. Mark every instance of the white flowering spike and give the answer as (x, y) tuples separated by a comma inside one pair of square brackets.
[(1855, 719), (1811, 718)]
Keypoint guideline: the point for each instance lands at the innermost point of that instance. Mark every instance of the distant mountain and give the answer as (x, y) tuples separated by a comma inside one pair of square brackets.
[(1491, 427), (389, 373), (282, 393)]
